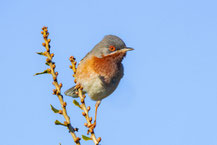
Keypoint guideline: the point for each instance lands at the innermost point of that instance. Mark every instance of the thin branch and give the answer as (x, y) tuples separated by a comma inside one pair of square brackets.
[(58, 86), (86, 110)]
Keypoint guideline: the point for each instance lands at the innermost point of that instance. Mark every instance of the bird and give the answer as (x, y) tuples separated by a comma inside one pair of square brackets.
[(101, 70)]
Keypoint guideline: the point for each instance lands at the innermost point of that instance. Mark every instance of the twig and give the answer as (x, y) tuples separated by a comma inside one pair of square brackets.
[(58, 86), (86, 110)]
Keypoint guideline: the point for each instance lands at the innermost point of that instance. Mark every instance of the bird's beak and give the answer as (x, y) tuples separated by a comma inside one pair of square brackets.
[(128, 49)]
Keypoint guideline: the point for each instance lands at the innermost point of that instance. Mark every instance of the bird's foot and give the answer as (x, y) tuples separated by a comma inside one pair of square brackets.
[(91, 127)]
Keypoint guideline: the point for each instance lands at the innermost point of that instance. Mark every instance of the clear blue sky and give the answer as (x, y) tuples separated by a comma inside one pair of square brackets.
[(168, 95)]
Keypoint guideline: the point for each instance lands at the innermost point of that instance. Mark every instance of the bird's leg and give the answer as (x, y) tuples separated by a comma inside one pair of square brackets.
[(96, 107), (92, 126)]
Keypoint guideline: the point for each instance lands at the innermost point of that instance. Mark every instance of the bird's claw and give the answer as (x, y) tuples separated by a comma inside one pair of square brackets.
[(91, 127)]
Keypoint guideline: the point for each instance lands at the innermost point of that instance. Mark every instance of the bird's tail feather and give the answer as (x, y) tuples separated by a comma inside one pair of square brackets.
[(71, 92)]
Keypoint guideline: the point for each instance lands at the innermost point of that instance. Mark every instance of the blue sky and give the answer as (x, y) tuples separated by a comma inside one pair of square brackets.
[(168, 95)]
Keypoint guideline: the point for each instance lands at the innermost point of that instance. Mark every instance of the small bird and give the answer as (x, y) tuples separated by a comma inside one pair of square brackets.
[(101, 70)]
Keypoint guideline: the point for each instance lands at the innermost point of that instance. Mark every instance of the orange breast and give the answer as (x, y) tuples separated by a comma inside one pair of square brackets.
[(107, 67)]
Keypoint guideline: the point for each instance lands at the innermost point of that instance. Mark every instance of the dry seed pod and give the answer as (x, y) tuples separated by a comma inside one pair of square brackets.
[(71, 58), (76, 129), (45, 53), (91, 130), (64, 104), (82, 100), (48, 60), (58, 93), (77, 86), (60, 85), (88, 108), (77, 139), (90, 119), (53, 66), (85, 124), (56, 73), (54, 91), (99, 139), (66, 123), (52, 55), (43, 44), (55, 78), (83, 113), (84, 96), (60, 112), (48, 70)]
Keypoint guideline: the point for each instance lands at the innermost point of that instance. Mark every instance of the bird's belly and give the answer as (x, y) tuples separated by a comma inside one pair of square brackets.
[(97, 89)]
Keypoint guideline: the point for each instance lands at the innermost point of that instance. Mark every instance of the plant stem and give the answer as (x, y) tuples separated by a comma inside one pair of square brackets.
[(58, 85), (83, 106)]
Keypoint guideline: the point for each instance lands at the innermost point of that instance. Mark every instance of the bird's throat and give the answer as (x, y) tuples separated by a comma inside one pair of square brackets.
[(108, 66)]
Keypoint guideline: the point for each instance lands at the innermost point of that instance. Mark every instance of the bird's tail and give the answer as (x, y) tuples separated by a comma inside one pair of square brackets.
[(71, 92)]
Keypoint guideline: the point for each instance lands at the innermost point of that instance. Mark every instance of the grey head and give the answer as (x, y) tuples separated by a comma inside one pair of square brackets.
[(109, 44)]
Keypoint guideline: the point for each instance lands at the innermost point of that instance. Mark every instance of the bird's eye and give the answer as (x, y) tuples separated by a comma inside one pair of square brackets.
[(112, 48)]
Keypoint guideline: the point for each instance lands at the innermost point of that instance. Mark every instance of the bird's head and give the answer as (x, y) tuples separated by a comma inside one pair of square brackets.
[(110, 45)]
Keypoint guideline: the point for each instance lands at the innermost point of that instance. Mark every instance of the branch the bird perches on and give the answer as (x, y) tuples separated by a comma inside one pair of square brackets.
[(86, 110)]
